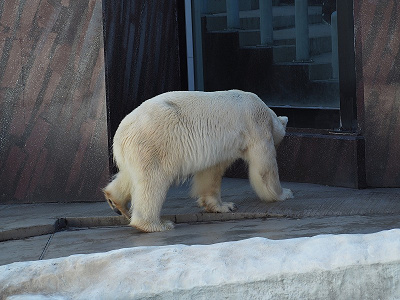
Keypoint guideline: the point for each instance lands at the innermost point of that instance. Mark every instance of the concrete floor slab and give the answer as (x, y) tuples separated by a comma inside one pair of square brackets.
[(22, 250), (315, 210), (27, 220), (83, 241)]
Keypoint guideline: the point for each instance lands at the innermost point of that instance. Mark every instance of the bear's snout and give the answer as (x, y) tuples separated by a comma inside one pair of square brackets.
[(112, 205)]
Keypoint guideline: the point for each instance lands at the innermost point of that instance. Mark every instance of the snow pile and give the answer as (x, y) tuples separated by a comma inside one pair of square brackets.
[(325, 266)]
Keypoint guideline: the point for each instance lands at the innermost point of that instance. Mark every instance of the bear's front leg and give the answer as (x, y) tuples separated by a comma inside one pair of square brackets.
[(263, 172)]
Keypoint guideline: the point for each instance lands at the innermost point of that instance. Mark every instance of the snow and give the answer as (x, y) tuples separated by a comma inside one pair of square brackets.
[(325, 266)]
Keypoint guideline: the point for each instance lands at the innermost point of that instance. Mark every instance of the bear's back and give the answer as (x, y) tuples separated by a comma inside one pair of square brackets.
[(193, 105), (222, 110)]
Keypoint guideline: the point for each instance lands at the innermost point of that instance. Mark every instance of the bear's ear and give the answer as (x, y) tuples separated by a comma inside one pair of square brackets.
[(283, 120)]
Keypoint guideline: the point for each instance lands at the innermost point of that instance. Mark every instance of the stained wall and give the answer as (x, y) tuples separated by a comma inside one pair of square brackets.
[(377, 30), (53, 134)]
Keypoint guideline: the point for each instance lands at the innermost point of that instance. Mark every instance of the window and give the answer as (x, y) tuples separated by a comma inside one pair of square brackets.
[(296, 55)]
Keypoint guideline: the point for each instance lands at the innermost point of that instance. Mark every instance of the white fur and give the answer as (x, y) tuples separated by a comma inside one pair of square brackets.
[(177, 134)]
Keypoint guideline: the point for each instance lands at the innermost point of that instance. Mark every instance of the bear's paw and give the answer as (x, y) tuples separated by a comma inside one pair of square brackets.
[(212, 205), (147, 226), (286, 194)]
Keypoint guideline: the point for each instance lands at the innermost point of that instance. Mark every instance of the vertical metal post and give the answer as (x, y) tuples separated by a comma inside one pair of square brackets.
[(302, 37), (232, 14), (335, 53), (189, 45), (198, 9), (266, 25)]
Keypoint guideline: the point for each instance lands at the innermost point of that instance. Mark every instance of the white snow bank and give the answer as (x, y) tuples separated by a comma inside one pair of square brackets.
[(326, 266)]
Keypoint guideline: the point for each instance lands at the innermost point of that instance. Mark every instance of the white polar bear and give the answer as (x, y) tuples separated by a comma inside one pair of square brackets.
[(178, 134)]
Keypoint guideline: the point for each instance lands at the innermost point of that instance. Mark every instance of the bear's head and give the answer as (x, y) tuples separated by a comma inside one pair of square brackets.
[(279, 129)]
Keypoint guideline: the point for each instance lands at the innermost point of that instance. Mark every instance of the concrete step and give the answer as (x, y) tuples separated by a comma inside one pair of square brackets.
[(304, 84), (322, 93), (283, 17), (319, 34), (287, 54), (315, 71), (322, 67), (281, 54), (266, 70), (305, 72), (219, 6), (284, 53)]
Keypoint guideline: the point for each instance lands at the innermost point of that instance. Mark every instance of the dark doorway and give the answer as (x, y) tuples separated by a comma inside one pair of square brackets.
[(143, 53)]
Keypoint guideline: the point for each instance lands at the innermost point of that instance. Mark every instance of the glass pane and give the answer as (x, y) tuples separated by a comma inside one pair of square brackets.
[(283, 50)]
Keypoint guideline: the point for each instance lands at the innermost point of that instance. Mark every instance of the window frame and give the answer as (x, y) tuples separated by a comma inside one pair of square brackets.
[(347, 72), (347, 111)]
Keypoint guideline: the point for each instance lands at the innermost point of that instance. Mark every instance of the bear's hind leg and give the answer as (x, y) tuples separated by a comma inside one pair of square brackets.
[(148, 197), (118, 194), (207, 187)]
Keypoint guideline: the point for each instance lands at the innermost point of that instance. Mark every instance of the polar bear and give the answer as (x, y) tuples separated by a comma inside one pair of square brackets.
[(178, 134)]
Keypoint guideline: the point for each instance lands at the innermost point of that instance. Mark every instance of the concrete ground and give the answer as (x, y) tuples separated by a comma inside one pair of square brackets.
[(43, 231)]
